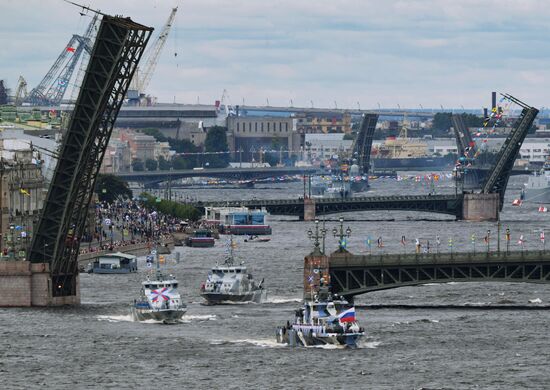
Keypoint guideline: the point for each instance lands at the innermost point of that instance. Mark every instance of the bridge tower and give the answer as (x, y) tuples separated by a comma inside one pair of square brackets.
[(115, 55)]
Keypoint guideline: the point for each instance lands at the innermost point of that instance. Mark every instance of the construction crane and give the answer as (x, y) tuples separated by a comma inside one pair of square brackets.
[(90, 33), (51, 89), (21, 91), (143, 75)]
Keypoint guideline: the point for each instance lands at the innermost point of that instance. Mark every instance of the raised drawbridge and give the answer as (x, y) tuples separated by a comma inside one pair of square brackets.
[(362, 144), (118, 47), (497, 178)]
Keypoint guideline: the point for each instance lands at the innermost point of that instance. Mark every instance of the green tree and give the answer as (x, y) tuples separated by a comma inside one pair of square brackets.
[(442, 121), (176, 209), (164, 164), (137, 165), (155, 133), (179, 145), (183, 162), (109, 188), (216, 141), (151, 164), (182, 145)]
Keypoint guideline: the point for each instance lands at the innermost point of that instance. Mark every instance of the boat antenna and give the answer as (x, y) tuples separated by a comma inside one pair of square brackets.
[(230, 259)]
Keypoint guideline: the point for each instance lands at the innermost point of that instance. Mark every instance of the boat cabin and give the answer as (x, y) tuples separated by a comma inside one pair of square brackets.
[(238, 220), (115, 263)]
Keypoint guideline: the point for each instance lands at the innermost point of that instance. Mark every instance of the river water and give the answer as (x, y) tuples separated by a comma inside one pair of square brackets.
[(437, 342)]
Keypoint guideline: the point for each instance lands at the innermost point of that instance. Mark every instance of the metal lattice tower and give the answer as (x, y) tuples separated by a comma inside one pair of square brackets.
[(116, 53), (497, 179), (362, 144)]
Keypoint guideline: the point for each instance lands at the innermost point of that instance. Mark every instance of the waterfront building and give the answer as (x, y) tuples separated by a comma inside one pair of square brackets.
[(250, 134), (323, 122), (22, 192)]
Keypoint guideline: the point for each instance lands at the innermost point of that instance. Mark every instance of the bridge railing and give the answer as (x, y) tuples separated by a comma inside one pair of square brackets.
[(350, 260)]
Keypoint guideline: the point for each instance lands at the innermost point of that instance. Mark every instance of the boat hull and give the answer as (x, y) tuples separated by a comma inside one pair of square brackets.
[(200, 243), (294, 338), (537, 195), (98, 270), (166, 316), (241, 230), (418, 163), (219, 299)]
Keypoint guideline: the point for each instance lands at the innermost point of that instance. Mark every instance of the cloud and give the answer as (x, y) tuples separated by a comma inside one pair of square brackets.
[(406, 52)]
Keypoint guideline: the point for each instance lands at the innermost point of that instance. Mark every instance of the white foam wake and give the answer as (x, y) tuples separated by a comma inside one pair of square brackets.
[(121, 318), (282, 300), (130, 318), (203, 317), (264, 343), (368, 344)]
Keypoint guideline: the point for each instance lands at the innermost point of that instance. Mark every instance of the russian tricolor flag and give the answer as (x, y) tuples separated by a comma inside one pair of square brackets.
[(348, 315)]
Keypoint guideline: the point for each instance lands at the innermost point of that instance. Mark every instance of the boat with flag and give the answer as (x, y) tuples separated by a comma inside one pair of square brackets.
[(325, 318), (159, 299), (328, 319), (230, 283)]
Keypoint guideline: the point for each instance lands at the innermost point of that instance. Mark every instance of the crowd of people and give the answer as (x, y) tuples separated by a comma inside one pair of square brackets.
[(122, 223)]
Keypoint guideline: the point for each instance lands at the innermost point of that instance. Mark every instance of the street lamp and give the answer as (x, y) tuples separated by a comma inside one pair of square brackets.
[(11, 247), (507, 240), (341, 234), (319, 234), (488, 240)]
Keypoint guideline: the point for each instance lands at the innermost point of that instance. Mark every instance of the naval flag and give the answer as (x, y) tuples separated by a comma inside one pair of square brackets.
[(347, 315)]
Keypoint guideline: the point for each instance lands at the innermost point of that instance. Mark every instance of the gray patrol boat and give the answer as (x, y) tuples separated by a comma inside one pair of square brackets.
[(159, 299), (537, 188), (230, 283)]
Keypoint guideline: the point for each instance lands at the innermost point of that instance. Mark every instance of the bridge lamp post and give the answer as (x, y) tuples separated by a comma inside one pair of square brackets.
[(507, 240), (319, 234), (488, 240), (341, 234)]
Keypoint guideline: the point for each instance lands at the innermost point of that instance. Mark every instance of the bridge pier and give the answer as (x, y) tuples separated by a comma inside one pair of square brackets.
[(25, 284), (481, 207), (315, 268), (309, 209)]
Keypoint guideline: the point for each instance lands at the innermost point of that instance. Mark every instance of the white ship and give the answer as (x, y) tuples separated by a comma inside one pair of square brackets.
[(159, 299)]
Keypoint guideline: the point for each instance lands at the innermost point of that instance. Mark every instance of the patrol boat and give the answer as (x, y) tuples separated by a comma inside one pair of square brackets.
[(230, 283), (324, 318), (328, 319), (159, 299)]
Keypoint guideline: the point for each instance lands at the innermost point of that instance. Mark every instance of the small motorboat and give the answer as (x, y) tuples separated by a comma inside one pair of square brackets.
[(257, 239)]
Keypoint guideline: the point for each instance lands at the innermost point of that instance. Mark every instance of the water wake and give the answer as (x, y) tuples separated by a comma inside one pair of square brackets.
[(282, 300), (129, 318), (264, 343)]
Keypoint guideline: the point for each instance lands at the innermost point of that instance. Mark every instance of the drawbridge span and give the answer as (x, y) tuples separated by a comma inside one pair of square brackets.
[(354, 275), (117, 50)]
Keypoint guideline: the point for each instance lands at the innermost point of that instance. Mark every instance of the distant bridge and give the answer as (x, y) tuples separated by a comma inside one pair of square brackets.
[(153, 177), (353, 275), (444, 204)]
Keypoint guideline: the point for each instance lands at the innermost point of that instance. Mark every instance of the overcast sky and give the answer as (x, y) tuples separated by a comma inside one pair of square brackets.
[(366, 52)]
